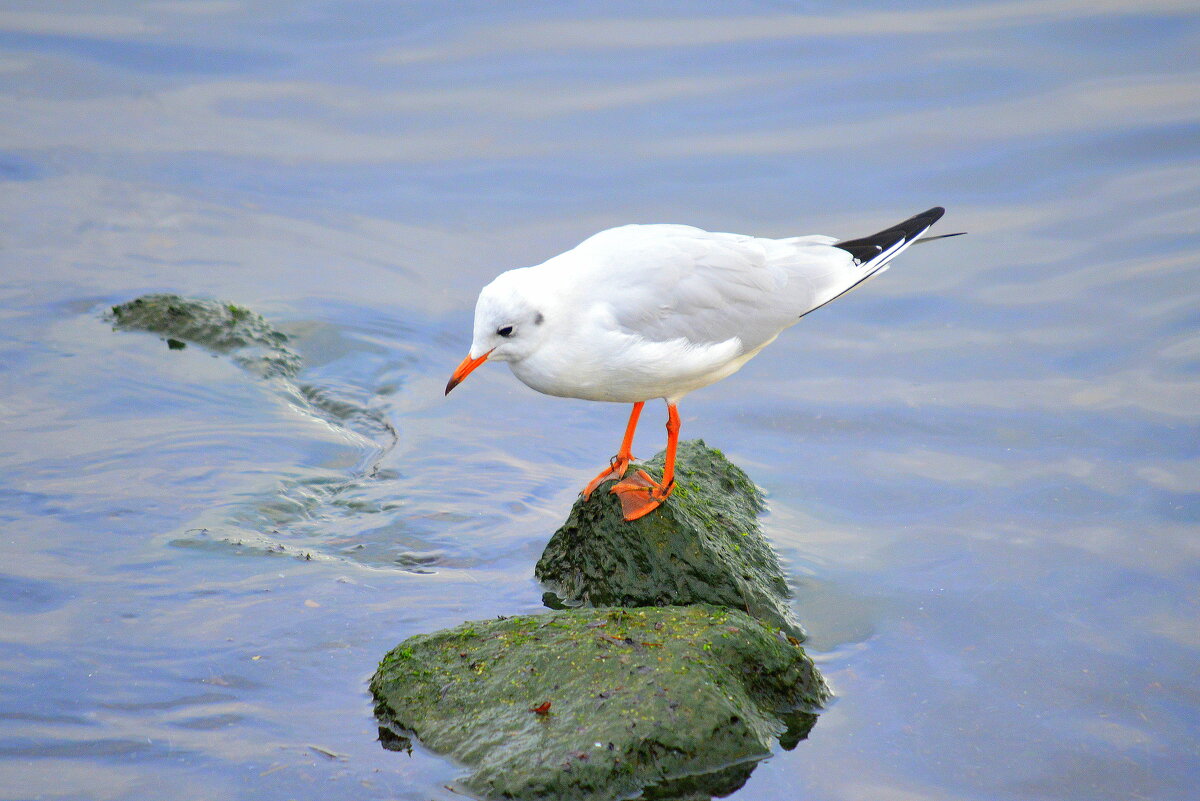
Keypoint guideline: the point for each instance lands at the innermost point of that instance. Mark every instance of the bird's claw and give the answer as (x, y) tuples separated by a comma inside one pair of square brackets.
[(641, 495), (616, 470)]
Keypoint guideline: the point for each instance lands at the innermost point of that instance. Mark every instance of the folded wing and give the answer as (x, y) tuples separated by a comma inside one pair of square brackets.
[(668, 282)]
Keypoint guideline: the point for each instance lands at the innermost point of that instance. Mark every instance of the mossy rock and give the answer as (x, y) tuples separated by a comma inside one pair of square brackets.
[(602, 703), (703, 545), (215, 325)]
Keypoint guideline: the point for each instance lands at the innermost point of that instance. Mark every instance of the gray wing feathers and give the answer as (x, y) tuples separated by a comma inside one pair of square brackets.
[(683, 283)]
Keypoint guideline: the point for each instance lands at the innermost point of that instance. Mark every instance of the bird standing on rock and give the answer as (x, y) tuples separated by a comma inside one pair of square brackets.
[(656, 311)]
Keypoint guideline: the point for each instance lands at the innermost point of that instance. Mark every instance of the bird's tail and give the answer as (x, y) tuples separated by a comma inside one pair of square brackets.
[(873, 252)]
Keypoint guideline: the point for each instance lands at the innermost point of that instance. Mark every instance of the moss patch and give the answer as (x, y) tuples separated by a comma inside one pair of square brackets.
[(600, 703), (704, 545), (218, 326)]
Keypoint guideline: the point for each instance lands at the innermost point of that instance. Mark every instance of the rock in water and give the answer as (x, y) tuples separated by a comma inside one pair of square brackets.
[(220, 327), (704, 545), (602, 703)]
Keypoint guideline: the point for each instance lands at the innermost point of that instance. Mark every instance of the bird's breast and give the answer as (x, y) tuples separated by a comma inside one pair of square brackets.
[(574, 381), (628, 371)]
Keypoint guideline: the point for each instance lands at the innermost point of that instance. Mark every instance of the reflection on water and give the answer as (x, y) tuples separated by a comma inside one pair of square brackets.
[(982, 466)]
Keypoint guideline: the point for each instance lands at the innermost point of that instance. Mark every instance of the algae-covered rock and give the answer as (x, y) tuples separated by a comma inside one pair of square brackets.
[(601, 703), (220, 327), (704, 545)]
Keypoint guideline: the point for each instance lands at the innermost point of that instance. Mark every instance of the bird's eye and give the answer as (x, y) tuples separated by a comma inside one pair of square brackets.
[(506, 331)]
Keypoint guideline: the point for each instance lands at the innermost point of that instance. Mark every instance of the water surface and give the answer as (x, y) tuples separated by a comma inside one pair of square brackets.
[(982, 466)]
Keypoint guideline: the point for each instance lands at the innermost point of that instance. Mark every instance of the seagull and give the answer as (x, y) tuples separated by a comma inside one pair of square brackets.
[(656, 311)]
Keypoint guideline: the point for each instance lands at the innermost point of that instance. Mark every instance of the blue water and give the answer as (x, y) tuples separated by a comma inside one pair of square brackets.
[(982, 467)]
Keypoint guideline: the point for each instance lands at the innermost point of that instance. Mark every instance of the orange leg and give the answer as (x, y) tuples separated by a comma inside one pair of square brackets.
[(619, 463), (641, 494)]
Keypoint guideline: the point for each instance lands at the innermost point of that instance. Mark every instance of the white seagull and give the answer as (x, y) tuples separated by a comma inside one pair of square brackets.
[(656, 311)]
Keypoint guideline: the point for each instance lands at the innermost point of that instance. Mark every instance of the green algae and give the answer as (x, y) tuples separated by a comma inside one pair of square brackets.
[(671, 701), (703, 545), (677, 668), (218, 326)]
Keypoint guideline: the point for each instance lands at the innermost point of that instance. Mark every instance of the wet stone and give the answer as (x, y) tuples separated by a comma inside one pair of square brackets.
[(218, 326), (703, 545), (669, 702)]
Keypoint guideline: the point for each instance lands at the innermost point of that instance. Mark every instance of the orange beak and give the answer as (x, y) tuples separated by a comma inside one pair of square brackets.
[(464, 369)]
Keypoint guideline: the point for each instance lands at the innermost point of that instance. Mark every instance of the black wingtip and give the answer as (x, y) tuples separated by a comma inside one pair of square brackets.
[(919, 222), (868, 247)]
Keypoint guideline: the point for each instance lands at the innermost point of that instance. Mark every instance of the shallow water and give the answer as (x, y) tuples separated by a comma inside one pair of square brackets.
[(982, 466)]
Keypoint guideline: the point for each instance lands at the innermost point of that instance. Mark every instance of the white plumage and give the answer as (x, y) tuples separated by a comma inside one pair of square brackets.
[(657, 311)]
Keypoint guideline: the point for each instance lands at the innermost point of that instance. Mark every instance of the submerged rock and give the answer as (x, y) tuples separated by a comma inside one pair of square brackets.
[(602, 703), (292, 518), (704, 545), (220, 327)]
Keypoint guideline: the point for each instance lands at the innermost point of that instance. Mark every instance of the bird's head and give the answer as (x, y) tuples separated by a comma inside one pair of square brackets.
[(509, 325)]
